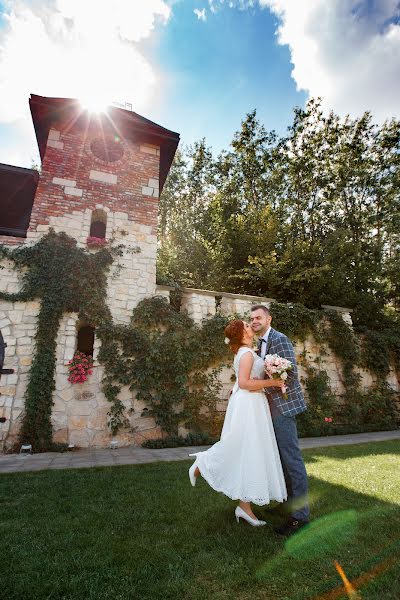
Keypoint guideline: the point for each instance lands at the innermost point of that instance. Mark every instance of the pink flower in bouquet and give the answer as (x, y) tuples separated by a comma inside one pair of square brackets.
[(328, 419), (277, 368)]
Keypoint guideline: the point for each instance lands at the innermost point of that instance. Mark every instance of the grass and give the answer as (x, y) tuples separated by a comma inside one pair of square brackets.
[(133, 532)]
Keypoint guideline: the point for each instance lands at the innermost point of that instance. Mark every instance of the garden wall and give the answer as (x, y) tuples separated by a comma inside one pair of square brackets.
[(79, 414), (201, 304)]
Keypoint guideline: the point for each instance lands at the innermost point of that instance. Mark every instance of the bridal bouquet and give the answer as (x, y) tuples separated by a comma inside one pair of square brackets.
[(277, 368)]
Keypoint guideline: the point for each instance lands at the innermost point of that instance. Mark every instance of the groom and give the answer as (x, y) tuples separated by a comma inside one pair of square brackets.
[(283, 414)]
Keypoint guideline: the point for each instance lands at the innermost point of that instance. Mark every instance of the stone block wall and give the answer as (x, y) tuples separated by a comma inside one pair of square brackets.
[(77, 184), (199, 304), (18, 327), (202, 304), (80, 411)]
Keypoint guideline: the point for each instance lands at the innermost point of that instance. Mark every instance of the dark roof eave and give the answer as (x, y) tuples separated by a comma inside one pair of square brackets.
[(45, 110), (22, 170)]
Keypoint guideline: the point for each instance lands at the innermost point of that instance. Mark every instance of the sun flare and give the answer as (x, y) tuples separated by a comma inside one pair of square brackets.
[(94, 104)]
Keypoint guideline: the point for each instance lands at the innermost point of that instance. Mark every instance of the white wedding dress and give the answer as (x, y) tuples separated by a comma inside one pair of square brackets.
[(245, 463)]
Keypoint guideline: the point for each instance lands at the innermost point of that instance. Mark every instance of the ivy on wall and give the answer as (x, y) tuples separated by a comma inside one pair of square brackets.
[(375, 351), (65, 279), (295, 320), (168, 360), (161, 354), (171, 363)]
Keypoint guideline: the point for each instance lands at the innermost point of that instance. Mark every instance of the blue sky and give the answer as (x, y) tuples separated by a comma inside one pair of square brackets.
[(197, 66), (221, 69)]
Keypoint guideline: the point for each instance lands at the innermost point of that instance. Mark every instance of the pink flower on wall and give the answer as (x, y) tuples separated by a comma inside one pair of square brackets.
[(80, 367), (96, 242)]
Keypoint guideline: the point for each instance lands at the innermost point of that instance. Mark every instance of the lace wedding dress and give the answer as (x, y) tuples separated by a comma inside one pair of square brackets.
[(245, 463)]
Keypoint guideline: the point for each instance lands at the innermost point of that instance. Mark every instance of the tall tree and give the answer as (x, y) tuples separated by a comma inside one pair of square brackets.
[(312, 216)]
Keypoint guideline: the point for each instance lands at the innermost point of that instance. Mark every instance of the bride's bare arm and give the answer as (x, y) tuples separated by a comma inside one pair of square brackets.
[(253, 385)]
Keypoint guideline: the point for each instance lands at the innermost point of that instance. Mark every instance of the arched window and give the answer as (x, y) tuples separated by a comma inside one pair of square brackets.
[(98, 224), (86, 340)]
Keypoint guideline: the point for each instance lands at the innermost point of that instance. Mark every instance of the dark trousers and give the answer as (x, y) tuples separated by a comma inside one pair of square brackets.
[(293, 465)]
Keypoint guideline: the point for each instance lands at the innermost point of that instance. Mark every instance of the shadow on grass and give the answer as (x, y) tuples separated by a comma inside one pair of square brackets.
[(142, 532)]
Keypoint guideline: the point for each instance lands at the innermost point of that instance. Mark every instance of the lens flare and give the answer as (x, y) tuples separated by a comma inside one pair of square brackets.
[(324, 536), (363, 579), (350, 589)]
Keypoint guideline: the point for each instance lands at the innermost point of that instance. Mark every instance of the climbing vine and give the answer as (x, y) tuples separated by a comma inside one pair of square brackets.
[(295, 320), (344, 344), (171, 363), (322, 404), (380, 350), (66, 279), (161, 354), (167, 359)]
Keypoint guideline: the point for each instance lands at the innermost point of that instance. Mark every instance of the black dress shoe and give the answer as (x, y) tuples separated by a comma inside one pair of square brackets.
[(291, 526)]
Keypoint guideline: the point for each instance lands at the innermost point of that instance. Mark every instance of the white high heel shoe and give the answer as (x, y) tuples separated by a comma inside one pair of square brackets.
[(241, 514), (192, 476)]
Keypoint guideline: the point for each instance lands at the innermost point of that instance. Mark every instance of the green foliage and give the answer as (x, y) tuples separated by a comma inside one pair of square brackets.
[(322, 404), (310, 217), (362, 410), (380, 349), (164, 356), (343, 342), (191, 439), (378, 407), (295, 320), (65, 279), (373, 409), (376, 353)]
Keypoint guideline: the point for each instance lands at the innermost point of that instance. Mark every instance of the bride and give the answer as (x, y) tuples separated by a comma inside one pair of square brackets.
[(245, 465)]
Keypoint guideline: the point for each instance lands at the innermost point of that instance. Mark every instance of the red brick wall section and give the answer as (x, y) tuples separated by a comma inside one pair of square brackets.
[(74, 161)]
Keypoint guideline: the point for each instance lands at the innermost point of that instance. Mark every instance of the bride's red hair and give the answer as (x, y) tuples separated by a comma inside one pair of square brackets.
[(234, 332)]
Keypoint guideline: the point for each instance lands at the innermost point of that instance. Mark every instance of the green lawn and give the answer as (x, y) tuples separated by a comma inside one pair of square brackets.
[(142, 532)]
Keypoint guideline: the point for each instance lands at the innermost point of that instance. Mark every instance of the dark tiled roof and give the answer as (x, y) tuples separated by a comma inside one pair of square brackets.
[(17, 192)]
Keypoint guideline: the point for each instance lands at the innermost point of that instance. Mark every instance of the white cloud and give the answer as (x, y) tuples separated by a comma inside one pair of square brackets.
[(200, 14), (347, 51), (75, 48), (213, 8)]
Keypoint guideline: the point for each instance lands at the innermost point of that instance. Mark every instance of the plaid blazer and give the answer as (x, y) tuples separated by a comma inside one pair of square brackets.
[(279, 344)]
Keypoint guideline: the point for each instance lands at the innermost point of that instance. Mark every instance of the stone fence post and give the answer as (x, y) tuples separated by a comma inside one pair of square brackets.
[(164, 291), (345, 313), (240, 303), (199, 304)]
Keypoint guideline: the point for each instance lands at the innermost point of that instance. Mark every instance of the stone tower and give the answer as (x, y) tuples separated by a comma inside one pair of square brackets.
[(101, 177), (109, 169)]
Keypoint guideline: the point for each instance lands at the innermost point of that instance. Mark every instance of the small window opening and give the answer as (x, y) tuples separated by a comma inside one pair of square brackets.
[(86, 340), (98, 224)]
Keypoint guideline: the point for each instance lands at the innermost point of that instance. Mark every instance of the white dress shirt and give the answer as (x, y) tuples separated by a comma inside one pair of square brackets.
[(264, 342)]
